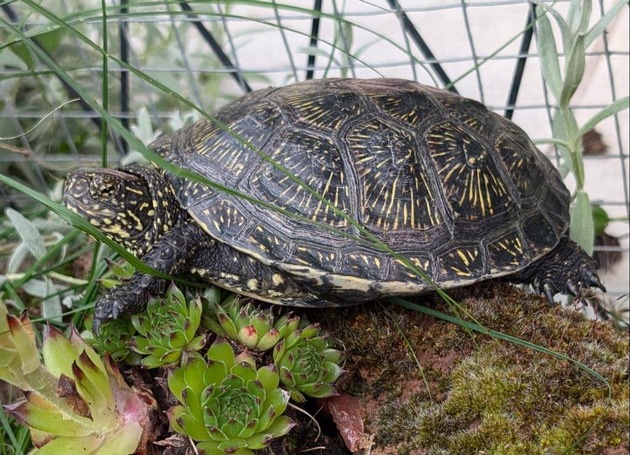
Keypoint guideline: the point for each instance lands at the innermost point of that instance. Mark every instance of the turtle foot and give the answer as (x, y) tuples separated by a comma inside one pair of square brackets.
[(567, 269), (129, 298)]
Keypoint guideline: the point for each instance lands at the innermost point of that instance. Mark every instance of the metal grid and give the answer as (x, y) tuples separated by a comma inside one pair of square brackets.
[(213, 52)]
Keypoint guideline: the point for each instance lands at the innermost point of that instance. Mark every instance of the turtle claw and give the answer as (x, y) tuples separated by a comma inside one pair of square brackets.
[(592, 279), (549, 290), (129, 298), (567, 270), (96, 326), (573, 289)]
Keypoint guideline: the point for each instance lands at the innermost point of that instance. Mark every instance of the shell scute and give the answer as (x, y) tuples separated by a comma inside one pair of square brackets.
[(326, 110), (314, 160), (307, 255), (227, 151), (539, 232), (263, 241), (460, 263), (425, 263), (471, 177), (394, 193), (414, 109), (365, 264), (508, 253)]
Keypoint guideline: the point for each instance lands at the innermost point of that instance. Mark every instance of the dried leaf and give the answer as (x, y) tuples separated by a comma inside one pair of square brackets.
[(347, 415)]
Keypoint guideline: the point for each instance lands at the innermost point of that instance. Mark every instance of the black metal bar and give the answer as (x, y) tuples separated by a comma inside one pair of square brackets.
[(413, 32), (10, 12), (124, 75), (216, 47), (520, 63), (310, 65)]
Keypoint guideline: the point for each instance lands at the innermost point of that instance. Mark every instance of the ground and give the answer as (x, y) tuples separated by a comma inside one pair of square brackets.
[(426, 386)]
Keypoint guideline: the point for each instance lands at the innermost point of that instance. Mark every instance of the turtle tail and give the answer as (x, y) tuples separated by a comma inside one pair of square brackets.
[(566, 269)]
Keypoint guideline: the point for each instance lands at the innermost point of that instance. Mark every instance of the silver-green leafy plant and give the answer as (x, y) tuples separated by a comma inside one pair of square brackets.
[(576, 37), (38, 243), (227, 404), (74, 402), (307, 363), (168, 329), (249, 324)]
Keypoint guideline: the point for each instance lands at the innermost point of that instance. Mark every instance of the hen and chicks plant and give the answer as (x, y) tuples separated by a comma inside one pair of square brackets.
[(304, 357), (307, 363), (228, 404), (73, 400), (168, 329), (252, 326)]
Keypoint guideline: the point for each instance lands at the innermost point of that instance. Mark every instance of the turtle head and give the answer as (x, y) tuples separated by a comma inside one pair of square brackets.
[(132, 205)]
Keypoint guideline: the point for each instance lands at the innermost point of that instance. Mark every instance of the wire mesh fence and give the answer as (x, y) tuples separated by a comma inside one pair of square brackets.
[(210, 53)]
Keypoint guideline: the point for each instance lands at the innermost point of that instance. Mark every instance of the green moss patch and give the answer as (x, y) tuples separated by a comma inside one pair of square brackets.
[(470, 393)]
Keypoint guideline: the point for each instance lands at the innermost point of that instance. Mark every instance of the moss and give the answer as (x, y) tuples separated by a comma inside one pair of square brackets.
[(473, 393)]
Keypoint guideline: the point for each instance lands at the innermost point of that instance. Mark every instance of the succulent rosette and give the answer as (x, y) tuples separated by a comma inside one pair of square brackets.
[(227, 404), (252, 326), (114, 337), (307, 363), (167, 329), (74, 401)]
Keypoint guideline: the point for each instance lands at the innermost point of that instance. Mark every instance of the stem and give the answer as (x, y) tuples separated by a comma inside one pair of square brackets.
[(56, 275)]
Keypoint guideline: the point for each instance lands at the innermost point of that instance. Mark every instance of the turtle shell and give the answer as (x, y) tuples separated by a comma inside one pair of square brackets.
[(459, 191)]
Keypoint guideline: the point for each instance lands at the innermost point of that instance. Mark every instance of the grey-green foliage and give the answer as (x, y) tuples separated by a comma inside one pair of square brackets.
[(143, 129), (576, 37), (32, 246)]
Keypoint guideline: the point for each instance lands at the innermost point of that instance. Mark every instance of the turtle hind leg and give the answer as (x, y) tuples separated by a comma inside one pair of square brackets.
[(566, 269)]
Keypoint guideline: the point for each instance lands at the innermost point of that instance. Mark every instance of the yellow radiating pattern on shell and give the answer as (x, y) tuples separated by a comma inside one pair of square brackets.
[(434, 176)]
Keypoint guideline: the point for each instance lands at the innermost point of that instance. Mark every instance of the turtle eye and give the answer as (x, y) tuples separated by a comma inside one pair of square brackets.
[(103, 188)]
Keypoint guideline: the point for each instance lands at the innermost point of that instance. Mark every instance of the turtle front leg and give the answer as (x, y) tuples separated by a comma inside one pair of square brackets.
[(171, 255)]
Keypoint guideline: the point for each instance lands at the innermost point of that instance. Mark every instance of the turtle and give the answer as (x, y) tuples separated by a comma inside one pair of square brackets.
[(335, 192)]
